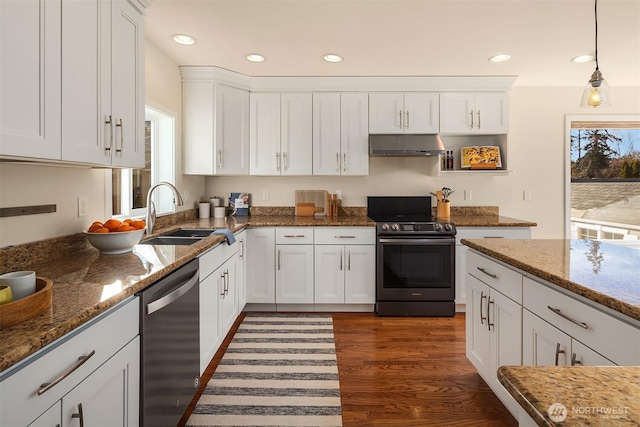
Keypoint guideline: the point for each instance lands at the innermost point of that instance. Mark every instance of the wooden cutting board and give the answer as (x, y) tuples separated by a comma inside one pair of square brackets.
[(315, 198)]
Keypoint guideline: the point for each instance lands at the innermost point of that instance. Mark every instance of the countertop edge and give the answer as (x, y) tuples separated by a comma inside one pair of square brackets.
[(514, 389)]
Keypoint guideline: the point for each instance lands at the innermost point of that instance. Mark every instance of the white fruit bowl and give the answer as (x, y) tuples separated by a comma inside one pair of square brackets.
[(116, 242)]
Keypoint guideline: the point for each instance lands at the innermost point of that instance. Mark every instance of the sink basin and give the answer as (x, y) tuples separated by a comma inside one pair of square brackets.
[(189, 232), (171, 240)]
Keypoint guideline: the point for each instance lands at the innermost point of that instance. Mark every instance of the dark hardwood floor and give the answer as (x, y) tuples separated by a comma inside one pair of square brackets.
[(403, 371)]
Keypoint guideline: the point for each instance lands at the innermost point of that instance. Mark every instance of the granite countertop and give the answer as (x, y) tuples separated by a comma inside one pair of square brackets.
[(580, 389), (604, 273)]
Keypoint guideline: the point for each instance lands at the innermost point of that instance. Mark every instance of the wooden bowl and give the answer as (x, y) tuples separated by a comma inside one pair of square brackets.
[(29, 306)]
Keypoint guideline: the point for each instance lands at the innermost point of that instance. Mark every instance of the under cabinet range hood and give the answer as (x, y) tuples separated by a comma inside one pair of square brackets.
[(405, 145)]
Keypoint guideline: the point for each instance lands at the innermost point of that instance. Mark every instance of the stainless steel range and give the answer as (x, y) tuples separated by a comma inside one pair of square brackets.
[(415, 258)]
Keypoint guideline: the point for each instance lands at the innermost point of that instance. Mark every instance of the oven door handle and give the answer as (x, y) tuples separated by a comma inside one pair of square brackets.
[(432, 240)]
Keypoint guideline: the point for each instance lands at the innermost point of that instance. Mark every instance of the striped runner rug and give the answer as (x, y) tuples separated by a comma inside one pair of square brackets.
[(279, 370)]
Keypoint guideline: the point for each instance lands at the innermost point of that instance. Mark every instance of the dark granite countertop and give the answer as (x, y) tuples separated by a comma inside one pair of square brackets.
[(589, 396), (604, 273)]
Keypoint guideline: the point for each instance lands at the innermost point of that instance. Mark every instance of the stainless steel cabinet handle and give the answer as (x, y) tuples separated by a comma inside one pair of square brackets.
[(278, 161), (241, 254), (294, 235), (224, 285), (561, 314), (285, 160), (478, 119), (482, 318), (348, 260), (489, 303), (487, 273), (344, 162), (400, 112), (558, 353), (339, 236), (47, 386), (471, 119), (119, 125), (226, 282), (220, 157), (278, 259), (574, 360), (340, 261), (109, 123), (79, 415), (160, 303), (407, 113), (337, 162)]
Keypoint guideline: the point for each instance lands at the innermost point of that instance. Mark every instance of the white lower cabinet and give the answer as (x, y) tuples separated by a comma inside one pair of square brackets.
[(294, 265), (97, 369), (261, 268), (242, 270)]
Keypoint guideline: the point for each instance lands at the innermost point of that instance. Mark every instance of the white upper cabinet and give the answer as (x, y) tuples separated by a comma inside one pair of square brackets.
[(216, 128), (411, 113), (103, 83), (280, 134), (466, 113), (340, 134), (30, 78)]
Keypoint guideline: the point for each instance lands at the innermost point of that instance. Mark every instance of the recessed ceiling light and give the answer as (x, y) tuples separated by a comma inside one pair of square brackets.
[(255, 57), (332, 57), (582, 58), (500, 58), (183, 39)]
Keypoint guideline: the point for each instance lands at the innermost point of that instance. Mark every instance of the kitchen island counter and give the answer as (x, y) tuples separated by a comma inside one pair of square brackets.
[(585, 395)]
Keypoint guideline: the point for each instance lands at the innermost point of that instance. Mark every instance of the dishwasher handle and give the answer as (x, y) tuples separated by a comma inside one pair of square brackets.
[(160, 303)]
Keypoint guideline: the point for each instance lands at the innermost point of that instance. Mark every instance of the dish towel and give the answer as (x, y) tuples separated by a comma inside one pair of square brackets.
[(227, 233)]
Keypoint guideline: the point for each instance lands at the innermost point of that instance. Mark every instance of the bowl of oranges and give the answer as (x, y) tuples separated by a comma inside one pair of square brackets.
[(115, 236)]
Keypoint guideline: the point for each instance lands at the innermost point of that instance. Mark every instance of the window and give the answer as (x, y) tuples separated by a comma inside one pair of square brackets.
[(129, 187), (603, 178)]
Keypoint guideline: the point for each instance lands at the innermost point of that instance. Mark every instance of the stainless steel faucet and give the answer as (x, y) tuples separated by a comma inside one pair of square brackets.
[(151, 207)]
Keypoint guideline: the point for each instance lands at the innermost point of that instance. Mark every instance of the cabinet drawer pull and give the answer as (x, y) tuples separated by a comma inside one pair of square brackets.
[(295, 235), (561, 314), (574, 360), (47, 386), (344, 237), (495, 276), (482, 318), (79, 415), (558, 352), (493, 237)]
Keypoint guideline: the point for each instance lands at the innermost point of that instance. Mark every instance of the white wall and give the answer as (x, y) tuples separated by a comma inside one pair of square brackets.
[(536, 154), (26, 185)]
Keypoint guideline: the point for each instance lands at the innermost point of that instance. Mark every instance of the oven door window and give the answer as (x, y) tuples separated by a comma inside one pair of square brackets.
[(416, 265)]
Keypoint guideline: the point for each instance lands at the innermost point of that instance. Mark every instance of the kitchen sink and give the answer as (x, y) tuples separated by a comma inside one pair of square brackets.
[(189, 232), (172, 240)]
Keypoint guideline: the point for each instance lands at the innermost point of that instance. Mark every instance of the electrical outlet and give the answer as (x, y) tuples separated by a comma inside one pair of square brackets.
[(265, 194), (468, 195), (83, 206), (526, 196), (339, 194)]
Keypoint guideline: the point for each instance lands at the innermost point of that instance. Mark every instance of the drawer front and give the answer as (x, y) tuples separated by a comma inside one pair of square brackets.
[(345, 235), (294, 235), (493, 233), (499, 277), (211, 260), (614, 339), (19, 400)]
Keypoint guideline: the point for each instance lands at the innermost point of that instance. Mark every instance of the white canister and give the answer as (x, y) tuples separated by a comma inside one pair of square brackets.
[(215, 202), (219, 212), (205, 210)]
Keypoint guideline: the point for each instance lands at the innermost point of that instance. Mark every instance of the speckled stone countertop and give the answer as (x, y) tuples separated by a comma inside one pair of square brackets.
[(593, 396), (601, 272)]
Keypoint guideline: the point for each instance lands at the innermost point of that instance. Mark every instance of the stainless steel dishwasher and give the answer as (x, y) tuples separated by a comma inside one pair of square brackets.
[(170, 329)]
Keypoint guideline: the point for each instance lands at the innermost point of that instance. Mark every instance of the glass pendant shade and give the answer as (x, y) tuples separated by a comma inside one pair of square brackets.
[(597, 93)]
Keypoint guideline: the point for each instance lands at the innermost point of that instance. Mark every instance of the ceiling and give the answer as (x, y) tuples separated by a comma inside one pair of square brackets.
[(405, 37)]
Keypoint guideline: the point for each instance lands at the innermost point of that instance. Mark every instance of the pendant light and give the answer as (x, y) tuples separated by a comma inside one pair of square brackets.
[(597, 93)]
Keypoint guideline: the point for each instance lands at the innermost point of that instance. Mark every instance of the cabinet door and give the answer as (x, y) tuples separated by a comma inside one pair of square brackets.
[(543, 344), (88, 126), (582, 355), (329, 274), (261, 273), (227, 294), (264, 134), (50, 418), (199, 154), (242, 271), (386, 112), (296, 143), (354, 134), (421, 113), (457, 113), (30, 78), (232, 131), (326, 134), (108, 397), (359, 275), (294, 274), (492, 112), (477, 332), (210, 337), (127, 85), (461, 274)]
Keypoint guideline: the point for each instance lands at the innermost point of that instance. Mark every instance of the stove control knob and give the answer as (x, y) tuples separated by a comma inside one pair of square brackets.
[(395, 227), (385, 227), (447, 227), (437, 226), (416, 227)]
